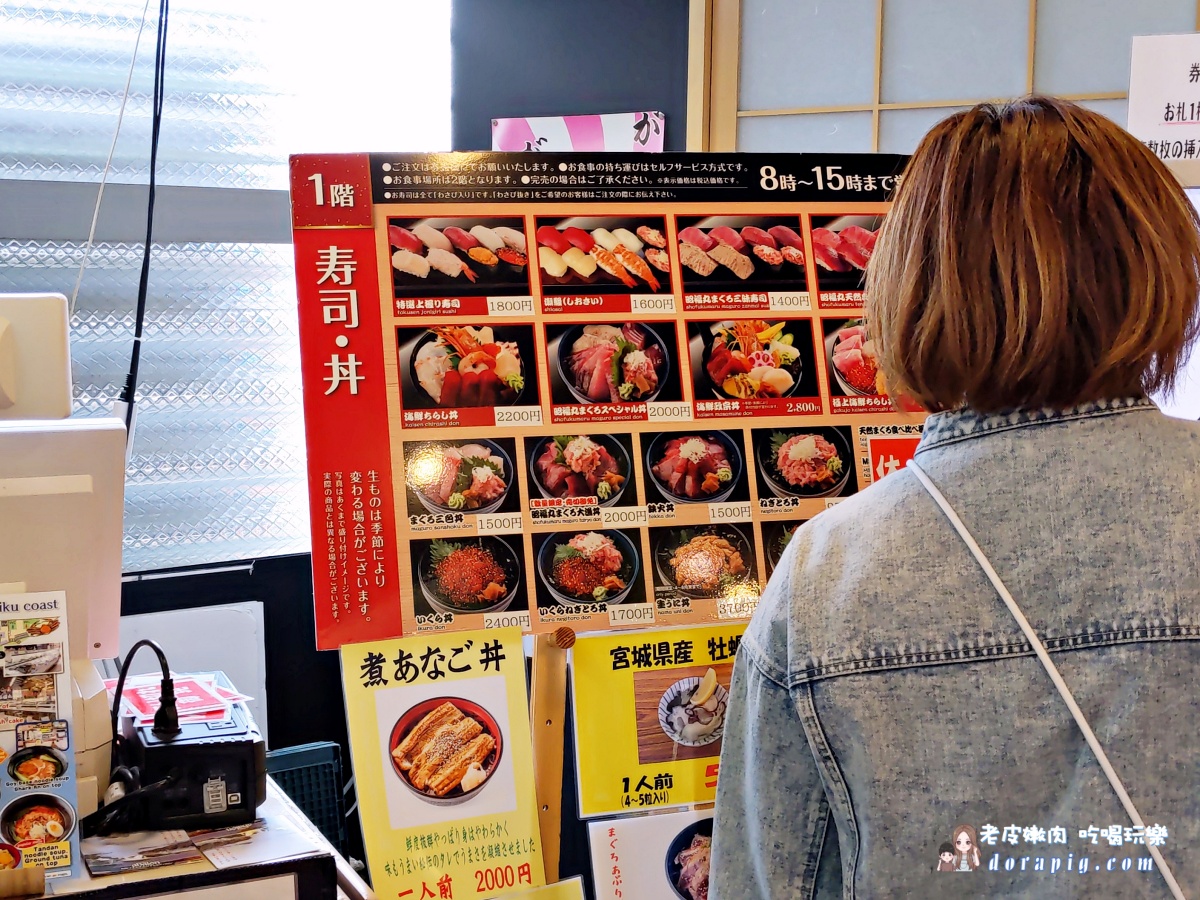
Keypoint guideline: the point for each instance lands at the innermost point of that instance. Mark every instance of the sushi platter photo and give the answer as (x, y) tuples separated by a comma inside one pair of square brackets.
[(842, 247), (603, 255), (734, 254), (463, 257)]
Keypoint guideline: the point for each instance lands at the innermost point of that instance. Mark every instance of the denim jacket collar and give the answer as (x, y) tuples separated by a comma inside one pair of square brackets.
[(961, 424)]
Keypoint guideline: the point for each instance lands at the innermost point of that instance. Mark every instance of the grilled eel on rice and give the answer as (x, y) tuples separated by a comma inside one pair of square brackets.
[(437, 753)]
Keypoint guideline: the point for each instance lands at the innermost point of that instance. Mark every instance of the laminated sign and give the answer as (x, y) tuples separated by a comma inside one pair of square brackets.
[(650, 710), (595, 390), (439, 734)]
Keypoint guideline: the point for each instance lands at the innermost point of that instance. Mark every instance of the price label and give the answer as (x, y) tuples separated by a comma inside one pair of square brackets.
[(673, 411), (729, 512), (499, 523), (510, 306), (737, 608), (635, 614), (652, 303), (624, 517), (834, 502), (788, 301), (516, 416), (515, 619)]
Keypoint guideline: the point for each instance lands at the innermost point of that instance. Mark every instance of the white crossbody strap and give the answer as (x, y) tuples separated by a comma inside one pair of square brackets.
[(1050, 668)]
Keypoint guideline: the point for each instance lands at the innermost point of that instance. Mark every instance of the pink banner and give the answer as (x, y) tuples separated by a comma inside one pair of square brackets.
[(636, 131)]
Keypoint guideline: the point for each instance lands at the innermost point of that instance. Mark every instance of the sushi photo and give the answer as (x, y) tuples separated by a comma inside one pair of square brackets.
[(467, 476), (588, 567), (804, 462), (604, 255), (753, 359), (741, 253), (458, 257), (633, 362), (463, 366), (696, 466), (841, 248)]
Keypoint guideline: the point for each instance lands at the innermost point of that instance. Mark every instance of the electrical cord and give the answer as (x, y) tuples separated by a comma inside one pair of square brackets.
[(119, 811), (160, 58)]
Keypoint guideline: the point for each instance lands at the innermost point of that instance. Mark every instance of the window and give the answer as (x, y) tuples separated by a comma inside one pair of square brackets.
[(217, 471), (874, 75)]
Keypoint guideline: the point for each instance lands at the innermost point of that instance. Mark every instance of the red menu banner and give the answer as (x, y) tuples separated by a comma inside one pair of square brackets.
[(594, 390)]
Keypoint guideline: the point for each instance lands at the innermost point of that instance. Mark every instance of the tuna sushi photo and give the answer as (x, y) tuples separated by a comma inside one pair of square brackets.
[(741, 253)]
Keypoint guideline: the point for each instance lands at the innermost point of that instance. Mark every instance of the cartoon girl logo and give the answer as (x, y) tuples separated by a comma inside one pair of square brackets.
[(966, 848)]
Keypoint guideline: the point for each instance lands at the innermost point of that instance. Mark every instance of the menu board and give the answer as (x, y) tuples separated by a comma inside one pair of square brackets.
[(599, 390), (650, 710), (439, 735), (665, 855), (38, 800)]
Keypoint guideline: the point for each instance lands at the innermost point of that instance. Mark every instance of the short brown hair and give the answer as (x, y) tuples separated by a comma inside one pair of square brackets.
[(1036, 255)]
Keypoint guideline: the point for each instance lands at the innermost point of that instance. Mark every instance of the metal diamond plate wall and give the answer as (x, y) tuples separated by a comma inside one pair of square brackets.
[(63, 68), (217, 471)]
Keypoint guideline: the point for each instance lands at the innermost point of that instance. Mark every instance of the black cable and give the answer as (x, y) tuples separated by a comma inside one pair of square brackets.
[(160, 59), (166, 717)]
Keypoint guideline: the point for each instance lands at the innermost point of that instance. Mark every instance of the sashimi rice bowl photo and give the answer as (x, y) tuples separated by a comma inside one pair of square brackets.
[(695, 467), (459, 476), (457, 366), (572, 466), (613, 363), (468, 575), (814, 462), (589, 567)]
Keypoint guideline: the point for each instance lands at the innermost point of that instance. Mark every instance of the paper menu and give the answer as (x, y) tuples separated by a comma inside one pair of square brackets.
[(38, 799)]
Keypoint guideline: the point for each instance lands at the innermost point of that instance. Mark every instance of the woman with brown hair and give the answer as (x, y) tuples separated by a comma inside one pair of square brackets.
[(1007, 633)]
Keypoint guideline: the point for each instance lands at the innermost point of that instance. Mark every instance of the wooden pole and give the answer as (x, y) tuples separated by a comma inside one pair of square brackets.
[(548, 711)]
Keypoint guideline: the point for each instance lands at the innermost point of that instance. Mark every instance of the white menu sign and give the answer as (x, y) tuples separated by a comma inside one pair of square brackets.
[(1164, 97), (654, 857)]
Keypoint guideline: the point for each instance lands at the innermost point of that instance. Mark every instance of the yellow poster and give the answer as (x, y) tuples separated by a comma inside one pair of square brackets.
[(650, 711), (439, 734)]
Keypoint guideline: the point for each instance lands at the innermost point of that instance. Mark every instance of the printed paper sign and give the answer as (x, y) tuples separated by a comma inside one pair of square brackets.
[(651, 857), (38, 801), (1164, 95), (439, 733), (650, 711)]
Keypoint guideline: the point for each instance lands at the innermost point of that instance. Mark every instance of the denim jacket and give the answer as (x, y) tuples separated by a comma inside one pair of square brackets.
[(883, 695)]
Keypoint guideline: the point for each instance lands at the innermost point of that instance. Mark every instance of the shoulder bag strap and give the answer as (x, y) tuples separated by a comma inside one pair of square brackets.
[(1050, 668)]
